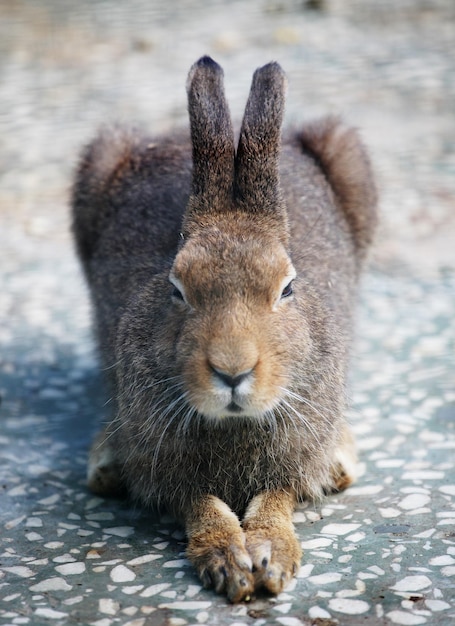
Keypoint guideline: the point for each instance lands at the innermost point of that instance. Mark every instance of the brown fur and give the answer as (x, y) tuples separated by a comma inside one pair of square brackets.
[(228, 390), (350, 176)]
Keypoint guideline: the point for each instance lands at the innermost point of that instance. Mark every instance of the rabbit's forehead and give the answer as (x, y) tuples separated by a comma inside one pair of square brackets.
[(233, 261)]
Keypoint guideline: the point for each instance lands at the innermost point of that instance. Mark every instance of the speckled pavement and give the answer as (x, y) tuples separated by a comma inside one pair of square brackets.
[(383, 552)]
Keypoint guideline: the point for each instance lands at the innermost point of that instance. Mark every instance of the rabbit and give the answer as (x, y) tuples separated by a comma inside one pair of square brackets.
[(223, 283)]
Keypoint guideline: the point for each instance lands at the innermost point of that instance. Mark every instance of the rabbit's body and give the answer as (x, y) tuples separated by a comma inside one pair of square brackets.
[(228, 383)]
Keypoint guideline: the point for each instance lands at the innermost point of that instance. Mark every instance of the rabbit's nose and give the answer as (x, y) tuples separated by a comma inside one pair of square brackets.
[(230, 380)]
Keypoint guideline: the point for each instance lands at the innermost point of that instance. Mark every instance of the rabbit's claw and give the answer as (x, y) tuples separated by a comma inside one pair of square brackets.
[(225, 567), (276, 558)]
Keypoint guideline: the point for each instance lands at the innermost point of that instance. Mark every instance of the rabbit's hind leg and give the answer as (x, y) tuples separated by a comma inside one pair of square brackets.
[(343, 471), (103, 472), (271, 540), (216, 547)]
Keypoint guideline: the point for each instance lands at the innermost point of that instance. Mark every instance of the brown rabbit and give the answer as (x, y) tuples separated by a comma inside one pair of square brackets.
[(223, 283)]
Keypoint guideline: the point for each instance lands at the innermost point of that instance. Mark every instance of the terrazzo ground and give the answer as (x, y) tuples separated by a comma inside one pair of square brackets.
[(383, 552)]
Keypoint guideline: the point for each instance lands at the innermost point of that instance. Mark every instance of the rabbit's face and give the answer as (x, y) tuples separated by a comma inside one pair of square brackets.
[(235, 301)]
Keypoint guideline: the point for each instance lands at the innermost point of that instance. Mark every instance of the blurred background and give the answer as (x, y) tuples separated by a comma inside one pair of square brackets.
[(388, 67)]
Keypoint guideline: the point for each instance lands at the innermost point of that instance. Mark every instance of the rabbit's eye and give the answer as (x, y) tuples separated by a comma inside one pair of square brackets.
[(177, 290), (177, 294), (287, 291)]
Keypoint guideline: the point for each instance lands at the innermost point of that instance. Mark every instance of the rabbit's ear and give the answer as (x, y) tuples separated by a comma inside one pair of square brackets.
[(257, 185), (212, 138)]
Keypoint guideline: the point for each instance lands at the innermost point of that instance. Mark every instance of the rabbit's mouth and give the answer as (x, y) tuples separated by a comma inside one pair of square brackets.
[(236, 391), (233, 407)]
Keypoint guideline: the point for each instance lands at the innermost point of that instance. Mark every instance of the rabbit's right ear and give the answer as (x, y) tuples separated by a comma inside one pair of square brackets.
[(257, 180), (212, 140)]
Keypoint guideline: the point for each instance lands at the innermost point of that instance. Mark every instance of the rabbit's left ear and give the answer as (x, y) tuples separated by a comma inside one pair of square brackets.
[(212, 139), (257, 184)]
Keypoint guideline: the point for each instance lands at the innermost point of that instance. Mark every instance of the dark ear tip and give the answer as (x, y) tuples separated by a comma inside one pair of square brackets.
[(206, 61), (272, 67), (272, 73), (204, 69)]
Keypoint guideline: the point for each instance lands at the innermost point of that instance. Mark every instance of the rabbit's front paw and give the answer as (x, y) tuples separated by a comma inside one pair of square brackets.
[(216, 547), (271, 541), (223, 564), (276, 555)]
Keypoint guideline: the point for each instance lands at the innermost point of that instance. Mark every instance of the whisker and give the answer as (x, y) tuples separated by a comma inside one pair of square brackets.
[(134, 400), (300, 398), (302, 419), (110, 367), (312, 443), (134, 404), (286, 422), (138, 390), (270, 420), (160, 440), (111, 433), (185, 423)]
